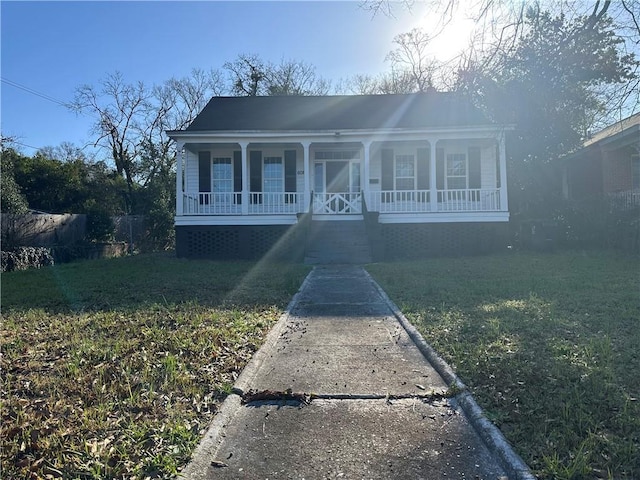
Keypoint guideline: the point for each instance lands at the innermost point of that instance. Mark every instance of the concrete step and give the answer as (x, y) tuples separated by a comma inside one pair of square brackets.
[(337, 242)]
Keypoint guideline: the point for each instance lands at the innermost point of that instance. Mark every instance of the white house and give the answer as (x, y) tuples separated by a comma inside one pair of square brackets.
[(422, 173)]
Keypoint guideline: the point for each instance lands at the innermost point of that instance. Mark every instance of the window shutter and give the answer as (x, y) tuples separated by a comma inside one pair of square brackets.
[(255, 175), (475, 178), (289, 170), (387, 169), (440, 168), (423, 168), (204, 171), (237, 175)]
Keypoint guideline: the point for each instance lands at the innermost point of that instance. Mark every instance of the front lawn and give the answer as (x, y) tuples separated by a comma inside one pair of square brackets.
[(549, 345), (114, 368)]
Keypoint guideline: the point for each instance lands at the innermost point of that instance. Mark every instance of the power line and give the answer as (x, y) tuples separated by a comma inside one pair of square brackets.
[(24, 145), (35, 92)]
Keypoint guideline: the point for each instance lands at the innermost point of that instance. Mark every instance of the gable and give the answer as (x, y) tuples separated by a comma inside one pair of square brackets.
[(345, 112)]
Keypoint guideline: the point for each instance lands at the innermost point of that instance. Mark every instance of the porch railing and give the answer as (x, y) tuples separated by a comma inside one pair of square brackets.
[(625, 200), (274, 203), (469, 200), (419, 201), (400, 201), (337, 203), (393, 201), (230, 203)]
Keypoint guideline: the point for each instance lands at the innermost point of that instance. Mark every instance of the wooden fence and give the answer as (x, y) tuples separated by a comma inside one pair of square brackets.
[(47, 230)]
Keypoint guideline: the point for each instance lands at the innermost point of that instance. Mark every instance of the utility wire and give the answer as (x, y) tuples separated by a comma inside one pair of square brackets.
[(35, 92), (41, 95)]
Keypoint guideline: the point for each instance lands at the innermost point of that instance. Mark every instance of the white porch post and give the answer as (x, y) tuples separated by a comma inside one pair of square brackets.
[(306, 167), (180, 151), (504, 202), (433, 184), (245, 178), (364, 180)]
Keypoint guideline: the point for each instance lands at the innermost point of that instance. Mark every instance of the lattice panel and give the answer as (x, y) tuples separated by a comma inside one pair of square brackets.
[(261, 240), (212, 243), (426, 240)]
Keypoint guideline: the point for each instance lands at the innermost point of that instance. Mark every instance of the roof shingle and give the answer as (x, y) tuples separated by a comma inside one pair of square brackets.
[(344, 112)]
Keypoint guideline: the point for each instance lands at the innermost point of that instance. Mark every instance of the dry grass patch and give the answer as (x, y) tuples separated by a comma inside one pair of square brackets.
[(113, 369)]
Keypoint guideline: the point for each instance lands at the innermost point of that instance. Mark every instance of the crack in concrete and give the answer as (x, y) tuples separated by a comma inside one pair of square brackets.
[(303, 398)]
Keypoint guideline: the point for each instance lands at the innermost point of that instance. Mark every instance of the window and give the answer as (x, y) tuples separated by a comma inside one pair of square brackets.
[(222, 178), (318, 177), (456, 177), (273, 175), (354, 186), (405, 172)]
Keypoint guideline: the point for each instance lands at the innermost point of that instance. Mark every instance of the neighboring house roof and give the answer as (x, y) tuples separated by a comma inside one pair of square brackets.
[(626, 127), (344, 112)]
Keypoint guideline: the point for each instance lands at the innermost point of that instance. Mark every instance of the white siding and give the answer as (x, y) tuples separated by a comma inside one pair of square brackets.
[(488, 167), (191, 173)]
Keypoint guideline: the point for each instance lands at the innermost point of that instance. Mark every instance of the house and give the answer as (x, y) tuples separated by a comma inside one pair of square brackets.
[(394, 175), (607, 164)]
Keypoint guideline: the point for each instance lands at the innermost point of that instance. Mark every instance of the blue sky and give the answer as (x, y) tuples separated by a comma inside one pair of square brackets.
[(53, 47)]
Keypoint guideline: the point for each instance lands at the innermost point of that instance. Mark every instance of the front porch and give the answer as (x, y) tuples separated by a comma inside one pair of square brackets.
[(451, 177)]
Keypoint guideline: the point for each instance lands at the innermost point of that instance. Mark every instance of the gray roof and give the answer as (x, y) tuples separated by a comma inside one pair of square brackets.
[(344, 112)]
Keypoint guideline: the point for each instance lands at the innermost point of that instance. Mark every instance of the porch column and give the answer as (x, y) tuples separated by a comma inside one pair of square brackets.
[(433, 188), (306, 167), (504, 202), (364, 180), (245, 178), (180, 151)]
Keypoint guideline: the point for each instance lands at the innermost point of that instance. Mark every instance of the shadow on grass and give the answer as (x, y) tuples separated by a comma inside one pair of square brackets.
[(132, 282)]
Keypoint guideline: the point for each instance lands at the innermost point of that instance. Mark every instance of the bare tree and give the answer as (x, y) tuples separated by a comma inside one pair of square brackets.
[(294, 77), (132, 120), (248, 75), (172, 106), (118, 107), (500, 25), (359, 84), (409, 57)]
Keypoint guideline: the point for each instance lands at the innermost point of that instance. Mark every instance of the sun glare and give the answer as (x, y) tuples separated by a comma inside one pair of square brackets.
[(450, 36)]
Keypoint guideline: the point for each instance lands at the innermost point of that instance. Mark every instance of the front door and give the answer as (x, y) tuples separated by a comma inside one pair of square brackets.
[(337, 187), (337, 175)]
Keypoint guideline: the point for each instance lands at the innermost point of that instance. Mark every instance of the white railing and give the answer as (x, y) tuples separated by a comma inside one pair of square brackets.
[(230, 203), (337, 203), (261, 203), (469, 200), (625, 200), (394, 201), (419, 201), (400, 201)]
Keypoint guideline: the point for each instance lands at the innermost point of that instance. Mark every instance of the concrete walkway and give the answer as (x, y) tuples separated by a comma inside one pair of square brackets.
[(341, 389)]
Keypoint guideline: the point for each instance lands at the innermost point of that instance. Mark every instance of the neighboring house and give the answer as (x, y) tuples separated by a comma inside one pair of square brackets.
[(420, 174), (607, 164)]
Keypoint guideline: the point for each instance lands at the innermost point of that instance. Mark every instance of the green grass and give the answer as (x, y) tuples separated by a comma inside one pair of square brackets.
[(548, 344), (114, 368)]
